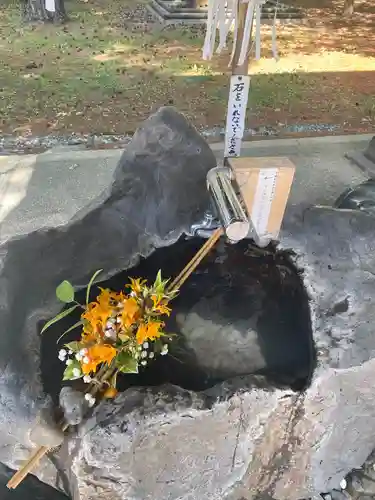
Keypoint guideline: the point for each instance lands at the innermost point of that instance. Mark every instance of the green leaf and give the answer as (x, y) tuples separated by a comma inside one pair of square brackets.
[(74, 346), (68, 373), (158, 280), (58, 317), (126, 363), (65, 292), (159, 284), (79, 323), (90, 284)]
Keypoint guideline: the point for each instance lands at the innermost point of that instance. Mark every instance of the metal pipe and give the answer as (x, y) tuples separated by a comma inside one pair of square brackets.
[(205, 227), (227, 204)]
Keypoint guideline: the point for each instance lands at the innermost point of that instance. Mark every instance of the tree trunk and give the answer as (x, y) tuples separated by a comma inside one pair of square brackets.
[(35, 10), (348, 7)]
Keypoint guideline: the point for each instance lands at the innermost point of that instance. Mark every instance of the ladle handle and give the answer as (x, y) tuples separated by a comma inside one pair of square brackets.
[(33, 461)]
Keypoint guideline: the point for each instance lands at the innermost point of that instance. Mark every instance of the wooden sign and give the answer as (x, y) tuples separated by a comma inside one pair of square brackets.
[(237, 103), (265, 185)]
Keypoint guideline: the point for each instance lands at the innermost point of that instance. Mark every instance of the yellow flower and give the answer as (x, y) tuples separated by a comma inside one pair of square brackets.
[(136, 285), (160, 306), (149, 331), (97, 354), (130, 312)]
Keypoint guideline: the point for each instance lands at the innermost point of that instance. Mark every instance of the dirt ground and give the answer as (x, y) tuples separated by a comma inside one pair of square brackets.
[(111, 65)]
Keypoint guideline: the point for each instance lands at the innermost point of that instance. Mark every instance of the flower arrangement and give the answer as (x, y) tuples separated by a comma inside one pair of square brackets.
[(119, 330)]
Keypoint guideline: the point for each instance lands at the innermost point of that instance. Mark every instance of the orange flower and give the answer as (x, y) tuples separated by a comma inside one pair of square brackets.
[(149, 331), (97, 313), (159, 306), (153, 329), (88, 336), (105, 297), (142, 333), (97, 354), (129, 312), (97, 316)]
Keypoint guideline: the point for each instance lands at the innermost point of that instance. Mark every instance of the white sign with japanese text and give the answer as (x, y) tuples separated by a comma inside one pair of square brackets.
[(237, 102), (50, 5)]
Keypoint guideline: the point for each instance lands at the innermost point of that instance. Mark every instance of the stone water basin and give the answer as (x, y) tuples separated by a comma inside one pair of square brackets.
[(243, 311)]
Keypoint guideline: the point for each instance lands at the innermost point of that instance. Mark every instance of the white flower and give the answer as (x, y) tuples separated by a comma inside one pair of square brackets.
[(118, 320), (110, 333), (69, 362), (343, 484), (109, 324), (90, 399), (87, 379), (140, 348), (83, 351), (76, 372), (70, 352), (86, 360), (165, 350), (78, 356), (144, 363), (151, 355), (62, 354), (145, 345), (144, 354), (133, 294)]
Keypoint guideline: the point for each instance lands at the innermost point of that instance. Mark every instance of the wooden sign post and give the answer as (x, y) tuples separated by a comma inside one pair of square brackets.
[(238, 90)]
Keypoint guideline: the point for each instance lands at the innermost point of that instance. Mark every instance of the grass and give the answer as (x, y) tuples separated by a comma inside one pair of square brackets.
[(103, 73)]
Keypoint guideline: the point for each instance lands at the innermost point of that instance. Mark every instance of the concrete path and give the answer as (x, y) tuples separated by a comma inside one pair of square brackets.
[(39, 191)]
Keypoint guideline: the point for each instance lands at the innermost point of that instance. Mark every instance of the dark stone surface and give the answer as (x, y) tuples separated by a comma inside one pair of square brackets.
[(370, 151), (159, 190), (361, 197), (240, 312), (365, 160)]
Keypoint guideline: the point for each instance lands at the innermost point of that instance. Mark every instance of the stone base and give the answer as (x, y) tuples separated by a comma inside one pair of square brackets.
[(182, 11), (365, 160)]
